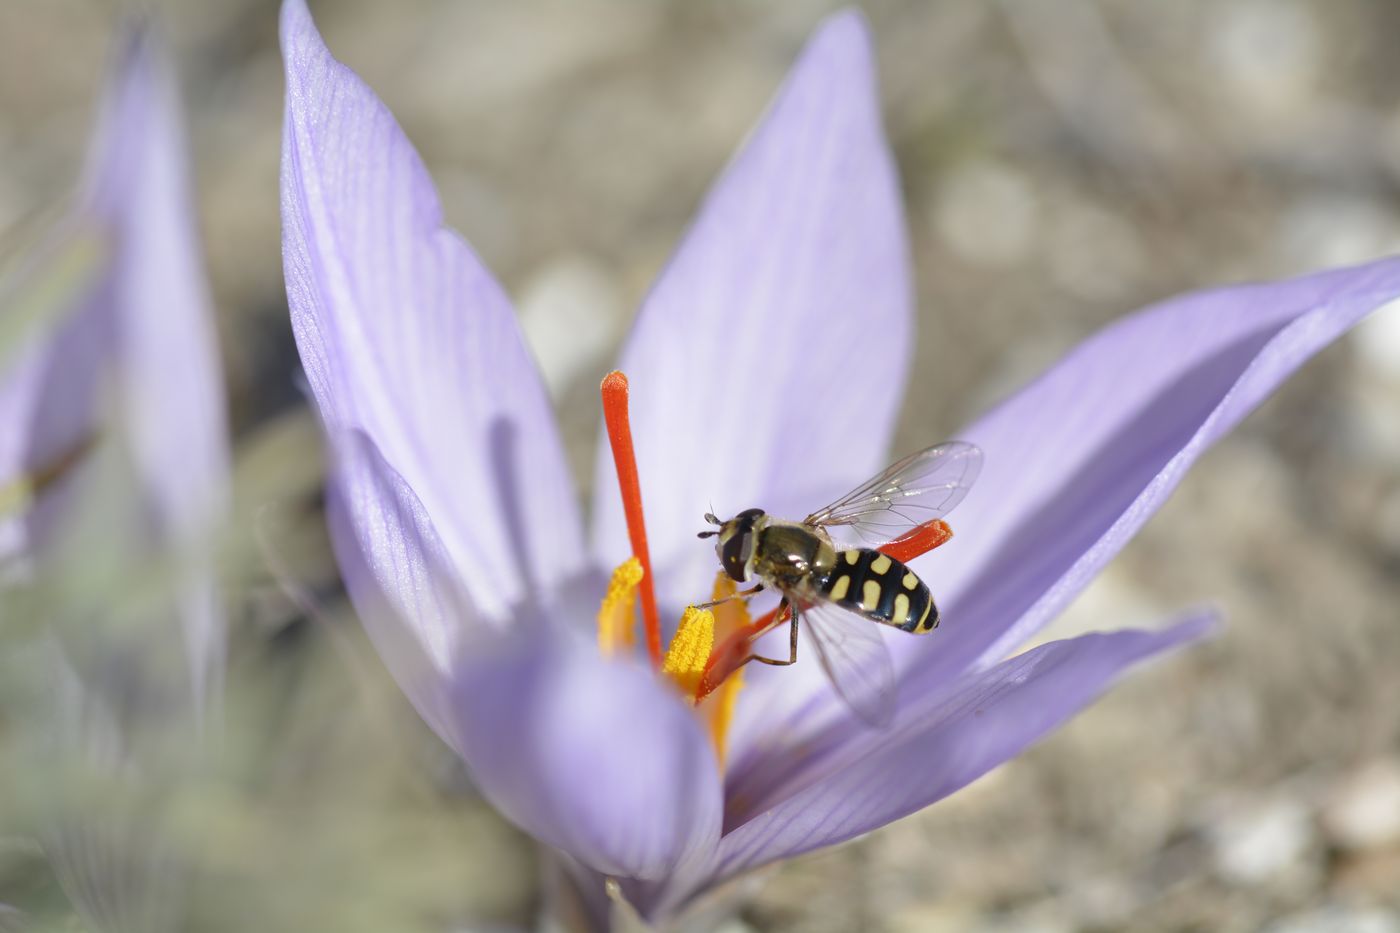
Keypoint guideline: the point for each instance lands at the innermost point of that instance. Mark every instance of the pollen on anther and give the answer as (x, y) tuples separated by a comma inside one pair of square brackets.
[(690, 649), (617, 625)]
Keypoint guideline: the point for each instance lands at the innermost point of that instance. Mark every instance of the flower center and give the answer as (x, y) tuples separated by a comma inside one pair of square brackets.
[(707, 655), (688, 659)]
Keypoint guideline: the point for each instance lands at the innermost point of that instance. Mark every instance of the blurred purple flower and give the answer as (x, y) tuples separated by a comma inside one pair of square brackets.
[(113, 414), (134, 361), (457, 531)]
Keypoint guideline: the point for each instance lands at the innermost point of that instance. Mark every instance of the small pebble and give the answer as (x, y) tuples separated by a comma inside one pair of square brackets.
[(1363, 810), (1262, 843)]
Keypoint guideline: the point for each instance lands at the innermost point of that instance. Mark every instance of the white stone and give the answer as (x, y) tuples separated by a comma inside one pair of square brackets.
[(1363, 811), (1268, 54), (1263, 841), (1332, 230), (1377, 341)]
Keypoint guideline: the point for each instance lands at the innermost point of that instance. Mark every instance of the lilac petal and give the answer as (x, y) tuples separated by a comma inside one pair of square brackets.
[(20, 383), (171, 384), (134, 363), (939, 743), (399, 575), (1076, 463), (768, 363), (132, 373), (406, 336), (1081, 458), (600, 759), (35, 297)]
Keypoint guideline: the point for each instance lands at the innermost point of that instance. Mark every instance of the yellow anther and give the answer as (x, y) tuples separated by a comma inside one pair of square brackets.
[(690, 649), (731, 615), (617, 625), (695, 639), (719, 706)]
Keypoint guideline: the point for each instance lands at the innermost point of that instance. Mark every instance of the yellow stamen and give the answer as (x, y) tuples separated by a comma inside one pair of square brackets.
[(690, 649), (695, 639), (617, 626), (718, 709)]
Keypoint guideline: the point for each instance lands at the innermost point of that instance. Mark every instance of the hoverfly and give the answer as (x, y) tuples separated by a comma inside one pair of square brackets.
[(838, 587)]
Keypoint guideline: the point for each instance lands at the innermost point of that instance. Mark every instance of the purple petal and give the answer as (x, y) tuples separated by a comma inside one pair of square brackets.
[(133, 373), (768, 364), (406, 336), (399, 576), (940, 742), (1076, 463), (1080, 459), (600, 759), (138, 355), (172, 387), (19, 393)]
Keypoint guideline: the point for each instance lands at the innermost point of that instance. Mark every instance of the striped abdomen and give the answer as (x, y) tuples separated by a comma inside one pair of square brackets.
[(882, 589)]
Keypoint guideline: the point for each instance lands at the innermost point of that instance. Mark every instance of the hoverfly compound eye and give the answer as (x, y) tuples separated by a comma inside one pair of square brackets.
[(734, 553), (736, 543)]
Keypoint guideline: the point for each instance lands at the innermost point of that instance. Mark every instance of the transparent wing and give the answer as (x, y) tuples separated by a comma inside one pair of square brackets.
[(911, 492), (855, 659)]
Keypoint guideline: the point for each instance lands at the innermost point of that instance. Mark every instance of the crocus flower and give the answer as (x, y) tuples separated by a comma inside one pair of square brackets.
[(114, 423), (766, 369)]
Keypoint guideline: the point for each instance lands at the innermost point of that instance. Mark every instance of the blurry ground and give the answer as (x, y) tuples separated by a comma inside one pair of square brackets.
[(1062, 164)]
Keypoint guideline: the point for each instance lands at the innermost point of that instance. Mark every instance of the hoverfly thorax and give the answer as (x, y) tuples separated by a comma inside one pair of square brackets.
[(734, 542)]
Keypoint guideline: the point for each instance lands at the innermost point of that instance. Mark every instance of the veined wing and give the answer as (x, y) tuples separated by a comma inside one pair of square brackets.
[(855, 660), (921, 487)]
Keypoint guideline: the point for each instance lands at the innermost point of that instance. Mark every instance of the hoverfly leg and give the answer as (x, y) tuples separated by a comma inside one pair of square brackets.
[(742, 594), (792, 641)]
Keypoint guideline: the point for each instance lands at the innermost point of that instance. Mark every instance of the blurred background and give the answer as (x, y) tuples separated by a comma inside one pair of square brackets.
[(1062, 164)]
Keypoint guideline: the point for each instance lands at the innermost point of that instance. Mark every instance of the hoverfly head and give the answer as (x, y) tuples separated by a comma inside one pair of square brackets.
[(735, 544)]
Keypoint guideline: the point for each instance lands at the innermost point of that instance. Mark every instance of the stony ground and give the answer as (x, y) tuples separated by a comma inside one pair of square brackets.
[(1060, 168)]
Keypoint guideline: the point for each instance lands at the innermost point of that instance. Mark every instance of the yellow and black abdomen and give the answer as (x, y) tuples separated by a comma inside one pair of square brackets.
[(882, 589)]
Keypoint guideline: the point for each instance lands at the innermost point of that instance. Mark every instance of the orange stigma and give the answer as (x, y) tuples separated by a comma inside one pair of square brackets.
[(917, 542), (615, 417)]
